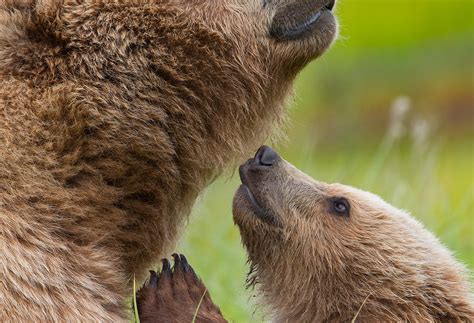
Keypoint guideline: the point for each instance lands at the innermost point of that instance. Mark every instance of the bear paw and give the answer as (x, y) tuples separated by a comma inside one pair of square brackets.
[(176, 295)]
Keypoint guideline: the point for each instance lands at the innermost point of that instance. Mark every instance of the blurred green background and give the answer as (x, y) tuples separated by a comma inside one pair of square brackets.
[(390, 109)]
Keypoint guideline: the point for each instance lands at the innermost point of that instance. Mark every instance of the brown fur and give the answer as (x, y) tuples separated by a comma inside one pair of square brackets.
[(176, 295), (114, 115), (312, 264)]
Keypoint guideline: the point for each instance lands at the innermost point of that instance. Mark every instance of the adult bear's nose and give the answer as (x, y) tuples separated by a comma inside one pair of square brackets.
[(266, 156)]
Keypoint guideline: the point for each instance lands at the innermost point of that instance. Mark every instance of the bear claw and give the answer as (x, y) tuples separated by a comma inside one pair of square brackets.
[(184, 263), (153, 280), (166, 269), (173, 295)]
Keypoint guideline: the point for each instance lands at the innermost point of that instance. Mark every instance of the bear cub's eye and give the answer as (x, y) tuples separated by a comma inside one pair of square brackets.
[(341, 206)]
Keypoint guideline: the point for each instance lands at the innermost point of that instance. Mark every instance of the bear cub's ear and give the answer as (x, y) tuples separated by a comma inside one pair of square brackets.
[(176, 295)]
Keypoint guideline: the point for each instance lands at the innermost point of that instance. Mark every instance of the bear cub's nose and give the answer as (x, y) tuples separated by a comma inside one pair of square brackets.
[(266, 156)]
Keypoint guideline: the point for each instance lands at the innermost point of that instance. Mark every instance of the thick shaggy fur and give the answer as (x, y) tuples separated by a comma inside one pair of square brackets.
[(374, 263), (114, 115)]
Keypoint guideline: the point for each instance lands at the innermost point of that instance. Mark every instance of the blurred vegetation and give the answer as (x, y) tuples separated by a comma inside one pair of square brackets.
[(390, 109)]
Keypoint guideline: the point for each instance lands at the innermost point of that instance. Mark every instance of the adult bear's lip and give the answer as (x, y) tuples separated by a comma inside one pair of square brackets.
[(300, 18)]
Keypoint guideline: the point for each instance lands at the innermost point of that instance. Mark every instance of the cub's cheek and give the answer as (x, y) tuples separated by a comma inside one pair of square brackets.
[(239, 209)]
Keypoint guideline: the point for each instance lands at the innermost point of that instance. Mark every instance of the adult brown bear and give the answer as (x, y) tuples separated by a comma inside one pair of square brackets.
[(114, 115)]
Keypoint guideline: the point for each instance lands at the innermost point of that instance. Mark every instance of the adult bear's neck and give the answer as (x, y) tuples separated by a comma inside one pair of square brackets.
[(144, 125), (143, 149)]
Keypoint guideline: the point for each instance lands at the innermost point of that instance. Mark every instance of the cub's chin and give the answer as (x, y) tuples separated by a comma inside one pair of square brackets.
[(247, 208)]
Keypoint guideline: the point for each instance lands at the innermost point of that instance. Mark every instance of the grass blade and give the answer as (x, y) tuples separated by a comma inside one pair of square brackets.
[(135, 308), (360, 308), (199, 305)]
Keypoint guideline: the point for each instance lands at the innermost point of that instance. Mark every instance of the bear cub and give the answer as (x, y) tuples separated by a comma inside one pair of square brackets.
[(323, 252)]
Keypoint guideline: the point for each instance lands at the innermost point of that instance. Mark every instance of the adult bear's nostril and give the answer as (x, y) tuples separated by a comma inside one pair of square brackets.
[(266, 156)]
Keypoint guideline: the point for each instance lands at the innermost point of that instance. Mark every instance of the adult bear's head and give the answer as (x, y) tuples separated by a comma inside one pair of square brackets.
[(285, 34), (213, 75), (258, 47)]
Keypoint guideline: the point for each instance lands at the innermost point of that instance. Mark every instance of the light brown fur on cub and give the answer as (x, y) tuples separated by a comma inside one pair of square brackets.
[(331, 253), (114, 115)]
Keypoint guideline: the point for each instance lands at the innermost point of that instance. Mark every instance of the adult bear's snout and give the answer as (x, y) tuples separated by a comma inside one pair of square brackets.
[(296, 19)]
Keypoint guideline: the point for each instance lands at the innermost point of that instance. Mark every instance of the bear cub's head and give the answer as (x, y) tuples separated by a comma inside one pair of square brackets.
[(326, 252)]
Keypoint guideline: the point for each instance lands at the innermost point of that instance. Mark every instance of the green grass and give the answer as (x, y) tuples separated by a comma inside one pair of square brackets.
[(421, 49)]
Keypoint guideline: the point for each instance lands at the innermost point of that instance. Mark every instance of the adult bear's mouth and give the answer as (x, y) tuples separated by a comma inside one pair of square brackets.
[(300, 18)]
